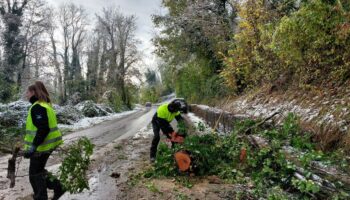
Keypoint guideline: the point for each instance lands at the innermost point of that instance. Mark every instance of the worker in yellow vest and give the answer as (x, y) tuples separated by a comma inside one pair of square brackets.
[(161, 120), (42, 137)]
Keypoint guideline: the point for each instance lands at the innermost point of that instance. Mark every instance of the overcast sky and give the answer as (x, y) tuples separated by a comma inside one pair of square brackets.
[(143, 9)]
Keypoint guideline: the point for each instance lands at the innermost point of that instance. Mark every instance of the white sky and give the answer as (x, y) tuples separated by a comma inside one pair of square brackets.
[(142, 9)]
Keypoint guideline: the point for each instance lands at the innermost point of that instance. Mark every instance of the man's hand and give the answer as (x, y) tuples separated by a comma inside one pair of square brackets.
[(29, 153), (176, 138)]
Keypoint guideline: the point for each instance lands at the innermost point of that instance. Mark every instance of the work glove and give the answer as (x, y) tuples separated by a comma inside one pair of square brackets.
[(30, 152)]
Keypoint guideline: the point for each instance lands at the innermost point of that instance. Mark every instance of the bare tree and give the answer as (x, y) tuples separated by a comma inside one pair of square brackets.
[(73, 20), (41, 39), (35, 24), (108, 27), (78, 25), (54, 54), (120, 31), (93, 67), (128, 51)]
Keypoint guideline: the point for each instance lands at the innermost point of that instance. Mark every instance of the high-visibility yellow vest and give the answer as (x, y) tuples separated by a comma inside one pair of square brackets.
[(52, 140), (164, 113)]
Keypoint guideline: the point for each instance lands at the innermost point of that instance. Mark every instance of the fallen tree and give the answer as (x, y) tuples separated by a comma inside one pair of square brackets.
[(323, 176), (254, 153)]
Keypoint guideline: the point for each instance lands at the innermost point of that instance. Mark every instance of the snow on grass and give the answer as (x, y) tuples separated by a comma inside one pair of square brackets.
[(19, 105), (199, 123), (2, 107), (88, 122), (195, 119), (145, 132), (205, 107)]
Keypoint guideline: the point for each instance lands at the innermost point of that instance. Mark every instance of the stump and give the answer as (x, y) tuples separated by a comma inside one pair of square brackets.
[(183, 161)]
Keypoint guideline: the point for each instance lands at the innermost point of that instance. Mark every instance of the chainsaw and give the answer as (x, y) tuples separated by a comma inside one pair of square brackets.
[(177, 138), (183, 158)]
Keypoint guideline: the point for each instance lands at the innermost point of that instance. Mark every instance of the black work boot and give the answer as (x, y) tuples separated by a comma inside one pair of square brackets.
[(39, 186), (58, 194), (54, 184)]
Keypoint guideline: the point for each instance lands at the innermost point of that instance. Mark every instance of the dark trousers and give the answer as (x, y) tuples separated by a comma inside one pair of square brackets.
[(156, 138), (39, 178)]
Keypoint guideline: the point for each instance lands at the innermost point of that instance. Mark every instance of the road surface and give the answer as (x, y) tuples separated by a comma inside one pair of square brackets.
[(101, 135)]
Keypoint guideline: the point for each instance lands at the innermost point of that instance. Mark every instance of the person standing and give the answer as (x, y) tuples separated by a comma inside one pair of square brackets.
[(161, 120), (42, 137)]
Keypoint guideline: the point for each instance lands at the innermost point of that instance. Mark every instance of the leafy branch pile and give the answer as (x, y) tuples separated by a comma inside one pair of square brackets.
[(266, 171), (9, 137), (76, 161)]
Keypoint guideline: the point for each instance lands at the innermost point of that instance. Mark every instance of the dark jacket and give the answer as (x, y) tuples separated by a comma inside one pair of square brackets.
[(164, 125), (41, 121)]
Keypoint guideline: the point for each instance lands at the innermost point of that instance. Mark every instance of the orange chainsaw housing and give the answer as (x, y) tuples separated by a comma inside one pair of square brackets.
[(176, 138)]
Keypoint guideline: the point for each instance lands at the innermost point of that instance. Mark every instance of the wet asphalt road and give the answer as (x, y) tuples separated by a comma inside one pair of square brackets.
[(108, 131), (101, 135)]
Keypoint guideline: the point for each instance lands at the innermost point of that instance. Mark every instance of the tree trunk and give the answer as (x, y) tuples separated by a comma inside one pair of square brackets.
[(12, 16), (66, 73), (102, 68), (121, 77), (61, 95)]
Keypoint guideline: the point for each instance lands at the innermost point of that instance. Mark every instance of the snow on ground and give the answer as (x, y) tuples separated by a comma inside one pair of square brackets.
[(88, 122), (199, 123), (195, 119), (2, 107), (145, 132), (321, 110)]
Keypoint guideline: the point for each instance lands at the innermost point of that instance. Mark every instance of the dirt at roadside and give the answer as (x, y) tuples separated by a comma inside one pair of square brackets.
[(168, 189), (134, 159), (112, 172), (115, 166)]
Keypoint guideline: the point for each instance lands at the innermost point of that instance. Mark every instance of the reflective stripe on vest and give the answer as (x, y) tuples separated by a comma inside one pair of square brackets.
[(52, 140), (46, 141), (164, 113), (34, 132)]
